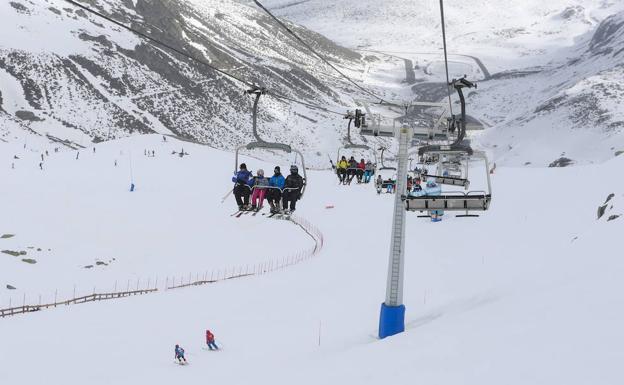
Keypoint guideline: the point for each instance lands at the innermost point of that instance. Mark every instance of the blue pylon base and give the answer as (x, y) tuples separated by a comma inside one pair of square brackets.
[(391, 320)]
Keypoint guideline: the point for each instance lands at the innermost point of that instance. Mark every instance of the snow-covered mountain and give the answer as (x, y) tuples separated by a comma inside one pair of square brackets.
[(70, 75), (563, 113), (550, 72)]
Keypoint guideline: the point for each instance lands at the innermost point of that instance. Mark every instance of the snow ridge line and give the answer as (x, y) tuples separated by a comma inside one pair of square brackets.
[(267, 266)]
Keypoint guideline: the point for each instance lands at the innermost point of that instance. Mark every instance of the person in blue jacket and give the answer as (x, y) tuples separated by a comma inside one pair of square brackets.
[(434, 189), (241, 187), (179, 354), (274, 193)]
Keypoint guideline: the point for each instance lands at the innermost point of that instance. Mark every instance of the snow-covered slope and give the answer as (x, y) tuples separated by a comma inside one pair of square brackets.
[(162, 231), (530, 292)]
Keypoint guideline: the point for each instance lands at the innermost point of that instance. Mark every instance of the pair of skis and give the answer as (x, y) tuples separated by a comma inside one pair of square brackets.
[(281, 215), (239, 213)]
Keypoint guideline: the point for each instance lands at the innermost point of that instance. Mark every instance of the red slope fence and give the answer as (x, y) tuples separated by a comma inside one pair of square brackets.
[(197, 279)]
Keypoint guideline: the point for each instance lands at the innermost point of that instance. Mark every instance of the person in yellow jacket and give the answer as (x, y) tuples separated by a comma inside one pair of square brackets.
[(341, 169)]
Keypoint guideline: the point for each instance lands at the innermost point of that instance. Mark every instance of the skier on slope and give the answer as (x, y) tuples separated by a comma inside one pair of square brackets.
[(179, 354), (292, 189), (241, 187), (274, 193), (210, 340)]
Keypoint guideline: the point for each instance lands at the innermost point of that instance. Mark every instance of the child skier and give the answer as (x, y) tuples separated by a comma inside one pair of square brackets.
[(259, 183), (179, 354), (210, 340)]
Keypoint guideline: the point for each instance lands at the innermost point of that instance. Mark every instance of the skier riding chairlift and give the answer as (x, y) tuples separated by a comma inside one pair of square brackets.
[(242, 190), (292, 189)]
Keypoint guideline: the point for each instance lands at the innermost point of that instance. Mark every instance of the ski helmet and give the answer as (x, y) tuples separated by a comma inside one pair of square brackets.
[(277, 169), (260, 172), (243, 166), (294, 169)]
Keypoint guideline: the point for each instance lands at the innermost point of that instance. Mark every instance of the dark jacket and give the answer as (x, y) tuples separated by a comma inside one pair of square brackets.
[(294, 181)]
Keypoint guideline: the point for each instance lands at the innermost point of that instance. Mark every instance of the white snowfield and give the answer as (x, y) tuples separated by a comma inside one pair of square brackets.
[(529, 293), (80, 212)]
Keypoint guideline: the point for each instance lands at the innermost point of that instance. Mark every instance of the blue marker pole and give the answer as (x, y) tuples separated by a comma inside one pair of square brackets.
[(131, 173)]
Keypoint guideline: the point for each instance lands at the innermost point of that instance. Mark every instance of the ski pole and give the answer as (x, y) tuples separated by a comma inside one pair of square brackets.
[(226, 196)]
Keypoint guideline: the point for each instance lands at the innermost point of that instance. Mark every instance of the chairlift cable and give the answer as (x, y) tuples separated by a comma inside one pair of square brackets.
[(193, 58), (448, 82), (296, 37)]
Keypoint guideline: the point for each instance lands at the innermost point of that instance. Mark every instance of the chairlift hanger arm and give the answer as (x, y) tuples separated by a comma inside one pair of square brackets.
[(459, 85)]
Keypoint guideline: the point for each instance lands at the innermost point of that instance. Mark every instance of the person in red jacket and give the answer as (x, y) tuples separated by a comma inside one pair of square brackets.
[(361, 166), (210, 340)]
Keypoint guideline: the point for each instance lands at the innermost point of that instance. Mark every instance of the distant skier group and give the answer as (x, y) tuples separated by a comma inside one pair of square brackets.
[(281, 193), (179, 351), (347, 170)]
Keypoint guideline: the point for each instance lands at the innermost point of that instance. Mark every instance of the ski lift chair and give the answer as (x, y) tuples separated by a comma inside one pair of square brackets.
[(264, 145), (456, 200)]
